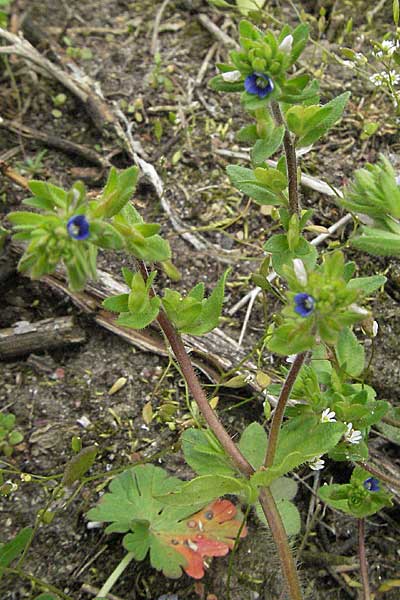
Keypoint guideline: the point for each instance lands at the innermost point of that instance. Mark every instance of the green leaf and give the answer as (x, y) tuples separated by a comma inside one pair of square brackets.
[(211, 310), (117, 304), (265, 148), (135, 504), (350, 353), (367, 285), (79, 465), (46, 596), (118, 191), (333, 111), (246, 182), (141, 319), (300, 439), (12, 549), (55, 196), (205, 488), (377, 242), (390, 431), (245, 6), (26, 219), (218, 84), (289, 515), (204, 453), (253, 444)]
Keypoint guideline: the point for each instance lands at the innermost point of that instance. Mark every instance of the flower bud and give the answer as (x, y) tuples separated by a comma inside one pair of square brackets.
[(286, 44), (232, 76)]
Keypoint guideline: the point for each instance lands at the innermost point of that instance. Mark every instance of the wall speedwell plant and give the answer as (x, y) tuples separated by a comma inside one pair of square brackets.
[(331, 410)]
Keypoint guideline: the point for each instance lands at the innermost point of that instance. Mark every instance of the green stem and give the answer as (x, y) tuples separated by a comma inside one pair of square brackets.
[(280, 408), (39, 582), (115, 575), (363, 559), (291, 161)]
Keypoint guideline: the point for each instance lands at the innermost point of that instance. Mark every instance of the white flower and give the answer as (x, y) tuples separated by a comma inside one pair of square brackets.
[(300, 271), (316, 464), (352, 436), (286, 44), (328, 416), (232, 76)]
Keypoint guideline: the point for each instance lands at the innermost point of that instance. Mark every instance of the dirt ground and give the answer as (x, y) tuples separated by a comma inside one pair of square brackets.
[(182, 127)]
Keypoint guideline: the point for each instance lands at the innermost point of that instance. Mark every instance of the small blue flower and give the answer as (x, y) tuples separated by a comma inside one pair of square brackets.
[(259, 84), (305, 304), (372, 484), (78, 227)]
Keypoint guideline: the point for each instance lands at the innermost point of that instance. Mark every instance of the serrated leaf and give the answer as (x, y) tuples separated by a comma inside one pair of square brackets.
[(176, 538), (79, 465), (350, 353)]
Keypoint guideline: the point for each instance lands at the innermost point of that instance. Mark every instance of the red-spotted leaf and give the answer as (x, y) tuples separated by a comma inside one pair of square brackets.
[(176, 537)]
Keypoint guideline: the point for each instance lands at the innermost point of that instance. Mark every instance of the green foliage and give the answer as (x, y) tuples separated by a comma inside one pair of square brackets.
[(135, 505), (350, 353), (335, 307), (9, 437), (353, 498), (310, 123), (284, 490), (195, 314), (113, 224), (245, 180), (14, 548), (138, 308), (374, 196), (79, 464), (300, 439), (207, 457)]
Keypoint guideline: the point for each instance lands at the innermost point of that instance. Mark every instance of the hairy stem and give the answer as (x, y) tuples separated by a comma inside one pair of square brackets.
[(280, 408), (363, 559), (200, 397), (291, 161), (279, 534)]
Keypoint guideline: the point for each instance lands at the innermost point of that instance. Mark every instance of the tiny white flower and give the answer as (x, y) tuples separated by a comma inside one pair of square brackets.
[(300, 271), (316, 464), (249, 378), (328, 416), (232, 76), (286, 44), (352, 436), (375, 328)]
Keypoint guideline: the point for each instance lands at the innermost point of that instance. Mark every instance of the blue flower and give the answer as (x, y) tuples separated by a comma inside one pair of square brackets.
[(372, 484), (259, 84), (305, 304), (78, 227)]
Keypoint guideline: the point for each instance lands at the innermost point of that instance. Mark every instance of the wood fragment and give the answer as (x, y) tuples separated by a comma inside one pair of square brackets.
[(53, 141), (25, 337), (217, 32)]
